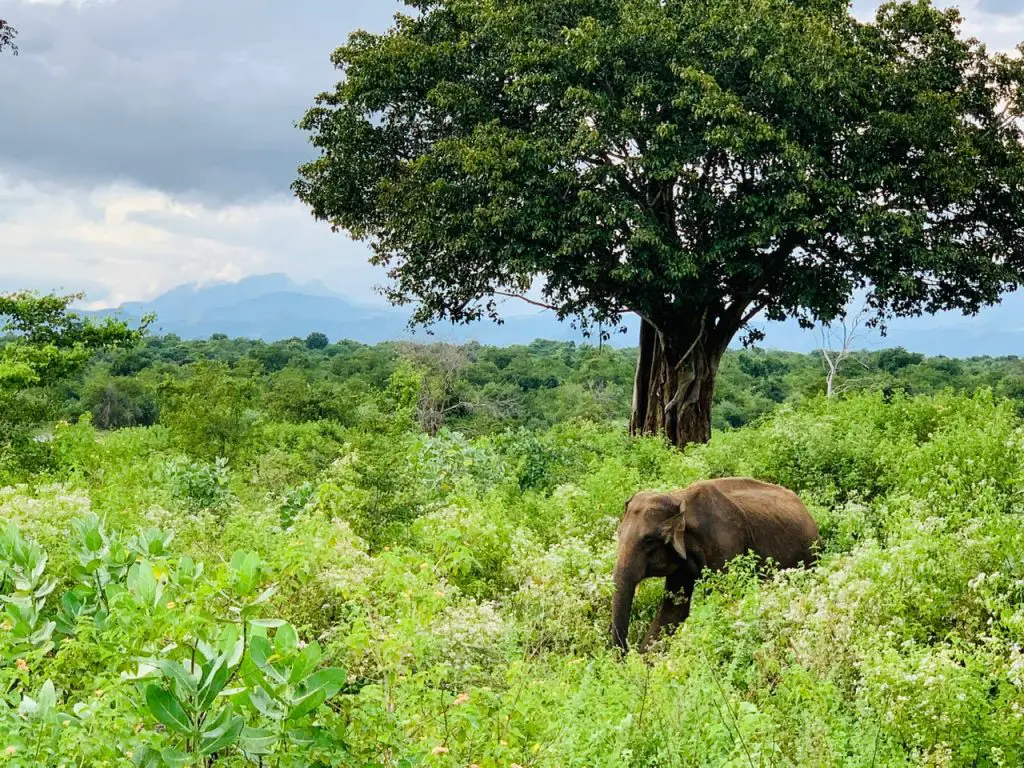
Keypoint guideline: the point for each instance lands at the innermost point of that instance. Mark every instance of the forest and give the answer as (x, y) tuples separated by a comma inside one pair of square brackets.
[(471, 388)]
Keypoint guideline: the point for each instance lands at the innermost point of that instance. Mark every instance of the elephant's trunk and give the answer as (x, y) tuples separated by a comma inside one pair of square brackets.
[(622, 603)]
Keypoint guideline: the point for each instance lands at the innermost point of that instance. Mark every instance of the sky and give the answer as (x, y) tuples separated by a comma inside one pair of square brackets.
[(149, 143)]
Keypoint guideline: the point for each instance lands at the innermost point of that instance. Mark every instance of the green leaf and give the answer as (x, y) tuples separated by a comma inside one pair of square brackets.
[(188, 571), (235, 651), (93, 540), (221, 734), (215, 677), (261, 651), (39, 566), (47, 699), (286, 641), (246, 568), (217, 724), (206, 650), (301, 737), (307, 704), (184, 683), (142, 583), (308, 658), (175, 758), (266, 704), (166, 708), (146, 757), (42, 636), (257, 741), (45, 588), (329, 680), (267, 623), (265, 595)]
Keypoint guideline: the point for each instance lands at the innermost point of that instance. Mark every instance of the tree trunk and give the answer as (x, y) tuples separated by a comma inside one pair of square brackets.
[(675, 385)]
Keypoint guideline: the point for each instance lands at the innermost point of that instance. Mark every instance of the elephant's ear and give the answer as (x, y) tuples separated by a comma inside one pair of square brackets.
[(674, 530)]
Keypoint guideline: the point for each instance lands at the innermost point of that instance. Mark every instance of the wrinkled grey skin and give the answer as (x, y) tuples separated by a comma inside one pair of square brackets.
[(681, 534)]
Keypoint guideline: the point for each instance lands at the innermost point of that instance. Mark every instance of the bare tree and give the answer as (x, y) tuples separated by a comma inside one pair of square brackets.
[(837, 346), (440, 397)]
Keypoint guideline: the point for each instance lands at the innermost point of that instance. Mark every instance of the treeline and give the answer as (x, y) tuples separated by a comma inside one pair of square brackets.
[(472, 388)]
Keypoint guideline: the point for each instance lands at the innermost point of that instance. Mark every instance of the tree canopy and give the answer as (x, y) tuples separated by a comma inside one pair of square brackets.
[(696, 163), (43, 341), (317, 340)]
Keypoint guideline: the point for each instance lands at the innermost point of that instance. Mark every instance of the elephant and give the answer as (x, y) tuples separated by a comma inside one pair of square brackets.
[(683, 533)]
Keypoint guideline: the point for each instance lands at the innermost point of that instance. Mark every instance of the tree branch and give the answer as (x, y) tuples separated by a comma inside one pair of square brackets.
[(835, 358), (7, 35), (528, 300), (552, 307), (757, 307)]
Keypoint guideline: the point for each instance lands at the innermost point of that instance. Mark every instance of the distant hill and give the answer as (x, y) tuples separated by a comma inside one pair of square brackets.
[(274, 306)]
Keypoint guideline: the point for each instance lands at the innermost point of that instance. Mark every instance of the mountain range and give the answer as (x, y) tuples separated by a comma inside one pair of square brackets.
[(274, 306)]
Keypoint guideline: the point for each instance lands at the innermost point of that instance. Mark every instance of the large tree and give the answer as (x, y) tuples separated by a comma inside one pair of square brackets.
[(696, 162)]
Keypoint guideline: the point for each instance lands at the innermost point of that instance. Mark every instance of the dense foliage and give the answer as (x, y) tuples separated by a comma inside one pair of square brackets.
[(43, 344), (472, 388), (398, 599), (310, 554), (693, 162)]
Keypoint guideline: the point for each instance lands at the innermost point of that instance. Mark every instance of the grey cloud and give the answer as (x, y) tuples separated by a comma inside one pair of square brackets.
[(188, 96), (10, 282)]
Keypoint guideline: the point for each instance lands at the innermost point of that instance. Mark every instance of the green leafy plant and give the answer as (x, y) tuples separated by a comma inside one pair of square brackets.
[(201, 484), (102, 566), (285, 686), (198, 686), (34, 728), (24, 587), (190, 702), (294, 501)]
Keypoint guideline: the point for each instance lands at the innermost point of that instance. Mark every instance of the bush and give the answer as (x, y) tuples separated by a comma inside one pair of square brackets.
[(118, 402), (211, 412)]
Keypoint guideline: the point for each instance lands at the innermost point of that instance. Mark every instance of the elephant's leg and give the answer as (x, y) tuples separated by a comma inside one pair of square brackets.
[(674, 608)]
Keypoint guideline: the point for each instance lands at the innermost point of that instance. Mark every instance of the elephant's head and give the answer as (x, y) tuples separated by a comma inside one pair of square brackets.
[(651, 544)]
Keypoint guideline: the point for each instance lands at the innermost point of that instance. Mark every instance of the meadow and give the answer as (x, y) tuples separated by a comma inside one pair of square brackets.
[(228, 587)]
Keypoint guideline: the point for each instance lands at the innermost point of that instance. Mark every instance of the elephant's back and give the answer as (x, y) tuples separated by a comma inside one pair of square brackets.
[(778, 523), (756, 495)]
